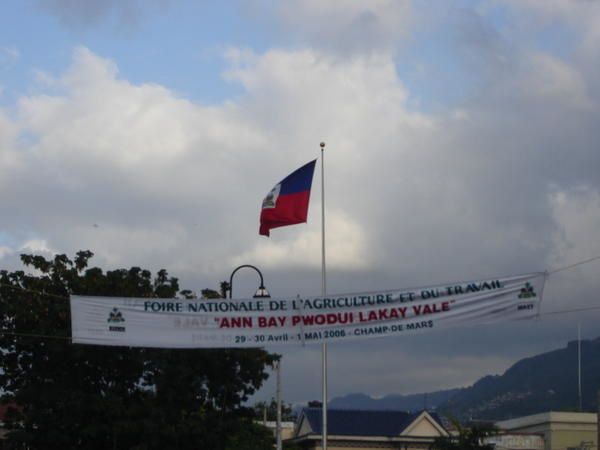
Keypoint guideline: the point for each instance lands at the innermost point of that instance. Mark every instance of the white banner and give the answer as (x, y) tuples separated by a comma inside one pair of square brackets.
[(257, 322)]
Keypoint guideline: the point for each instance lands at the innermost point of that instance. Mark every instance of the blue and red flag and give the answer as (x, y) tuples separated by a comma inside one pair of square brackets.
[(287, 203)]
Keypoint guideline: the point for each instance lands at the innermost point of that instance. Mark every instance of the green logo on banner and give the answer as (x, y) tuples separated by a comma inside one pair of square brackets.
[(527, 291), (115, 316)]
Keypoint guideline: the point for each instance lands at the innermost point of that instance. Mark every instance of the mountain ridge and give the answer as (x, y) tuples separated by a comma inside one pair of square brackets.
[(543, 382), (409, 402)]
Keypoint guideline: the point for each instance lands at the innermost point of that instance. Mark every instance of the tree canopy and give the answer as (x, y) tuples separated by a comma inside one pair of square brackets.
[(269, 410), (469, 437), (94, 397)]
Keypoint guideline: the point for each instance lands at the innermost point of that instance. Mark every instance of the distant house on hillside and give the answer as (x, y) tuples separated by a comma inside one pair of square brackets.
[(368, 429)]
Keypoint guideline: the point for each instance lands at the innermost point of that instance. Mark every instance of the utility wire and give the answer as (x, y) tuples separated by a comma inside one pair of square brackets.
[(567, 311), (63, 297), (66, 297), (19, 288), (46, 336), (41, 336), (585, 261)]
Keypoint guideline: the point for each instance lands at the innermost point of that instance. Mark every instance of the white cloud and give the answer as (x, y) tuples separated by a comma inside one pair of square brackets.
[(9, 156), (346, 246), (577, 213), (5, 251), (124, 156), (555, 79), (117, 241), (406, 190), (502, 182), (106, 120), (37, 246)]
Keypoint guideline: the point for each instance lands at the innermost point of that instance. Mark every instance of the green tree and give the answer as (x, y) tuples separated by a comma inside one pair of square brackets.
[(252, 436), (287, 413), (95, 397), (469, 438)]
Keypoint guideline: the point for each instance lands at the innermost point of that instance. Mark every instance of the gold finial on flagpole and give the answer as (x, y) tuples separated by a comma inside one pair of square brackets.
[(322, 145)]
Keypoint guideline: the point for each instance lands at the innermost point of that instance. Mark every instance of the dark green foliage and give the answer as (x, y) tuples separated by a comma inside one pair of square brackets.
[(469, 438), (93, 397), (270, 408), (291, 446), (251, 436)]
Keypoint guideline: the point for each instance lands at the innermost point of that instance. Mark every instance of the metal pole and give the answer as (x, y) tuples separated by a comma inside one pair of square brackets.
[(579, 362), (323, 292), (598, 415), (278, 397)]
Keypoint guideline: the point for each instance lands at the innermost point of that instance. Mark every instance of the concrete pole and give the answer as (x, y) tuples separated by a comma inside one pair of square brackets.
[(598, 421), (278, 396)]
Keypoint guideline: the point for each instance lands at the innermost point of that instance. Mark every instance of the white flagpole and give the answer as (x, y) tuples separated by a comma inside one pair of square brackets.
[(278, 397), (579, 363), (323, 292)]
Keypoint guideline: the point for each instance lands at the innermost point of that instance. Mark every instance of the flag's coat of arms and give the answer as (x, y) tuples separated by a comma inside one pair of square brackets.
[(287, 202), (270, 200)]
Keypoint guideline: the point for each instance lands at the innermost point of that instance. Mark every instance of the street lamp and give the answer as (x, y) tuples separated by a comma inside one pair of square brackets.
[(261, 292)]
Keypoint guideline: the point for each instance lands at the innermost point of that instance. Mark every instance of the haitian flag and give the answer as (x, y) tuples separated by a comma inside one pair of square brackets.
[(287, 203)]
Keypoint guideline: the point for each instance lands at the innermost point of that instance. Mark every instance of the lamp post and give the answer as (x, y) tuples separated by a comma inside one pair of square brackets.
[(261, 292)]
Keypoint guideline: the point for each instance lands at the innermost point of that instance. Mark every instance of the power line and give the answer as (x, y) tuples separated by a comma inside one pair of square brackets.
[(41, 336), (63, 297), (568, 311), (585, 261), (66, 297), (68, 338), (32, 291)]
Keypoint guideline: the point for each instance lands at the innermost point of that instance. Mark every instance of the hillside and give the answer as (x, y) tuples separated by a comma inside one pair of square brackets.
[(532, 385), (540, 383)]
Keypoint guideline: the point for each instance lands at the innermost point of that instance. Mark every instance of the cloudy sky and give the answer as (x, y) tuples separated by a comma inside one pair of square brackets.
[(462, 143)]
